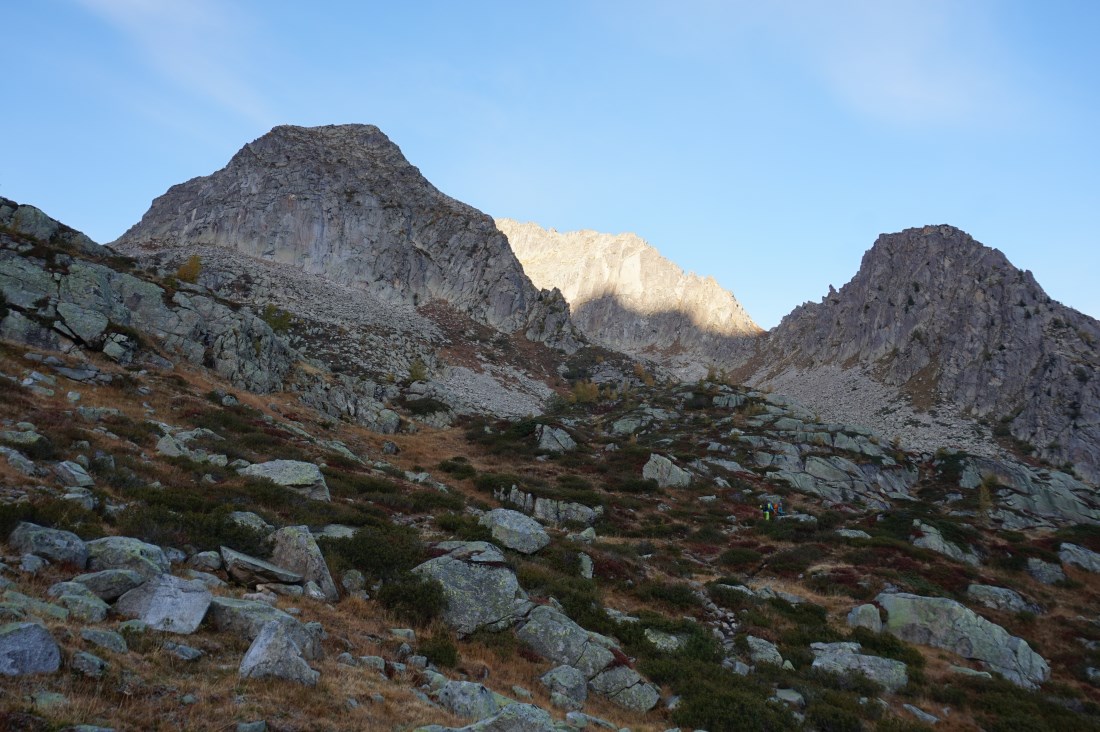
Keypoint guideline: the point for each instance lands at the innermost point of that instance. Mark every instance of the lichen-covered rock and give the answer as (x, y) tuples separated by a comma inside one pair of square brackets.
[(247, 618), (305, 478), (110, 584), (943, 623), (1046, 572), (568, 686), (515, 530), (763, 651), (59, 546), (297, 550), (842, 658), (626, 687), (664, 642), (665, 472), (27, 648), (1079, 556), (481, 591), (929, 537), (274, 653), (123, 552), (468, 699), (512, 718), (555, 636), (1001, 598), (73, 474), (250, 571), (167, 603), (554, 439), (107, 639), (865, 616)]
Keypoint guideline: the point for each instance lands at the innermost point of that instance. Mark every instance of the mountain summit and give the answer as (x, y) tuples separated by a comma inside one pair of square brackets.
[(951, 322), (343, 202), (625, 296)]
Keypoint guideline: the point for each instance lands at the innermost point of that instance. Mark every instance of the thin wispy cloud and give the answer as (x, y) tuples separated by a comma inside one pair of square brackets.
[(198, 45), (902, 62)]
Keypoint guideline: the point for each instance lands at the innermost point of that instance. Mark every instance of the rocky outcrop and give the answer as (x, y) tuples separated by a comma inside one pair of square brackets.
[(343, 202), (1001, 598), (515, 530), (943, 623), (53, 544), (665, 472), (625, 296), (929, 537), (950, 323), (167, 603), (842, 658), (481, 591), (305, 478)]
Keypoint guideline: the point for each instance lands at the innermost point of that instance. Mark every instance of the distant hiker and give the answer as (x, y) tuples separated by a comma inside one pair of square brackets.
[(768, 512), (779, 508)]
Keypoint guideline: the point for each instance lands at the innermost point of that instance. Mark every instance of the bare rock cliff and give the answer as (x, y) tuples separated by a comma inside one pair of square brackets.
[(953, 323), (625, 296), (342, 201)]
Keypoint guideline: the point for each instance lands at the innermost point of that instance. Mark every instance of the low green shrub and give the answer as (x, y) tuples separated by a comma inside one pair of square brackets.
[(463, 527), (413, 599), (382, 552), (458, 467), (739, 558), (440, 649)]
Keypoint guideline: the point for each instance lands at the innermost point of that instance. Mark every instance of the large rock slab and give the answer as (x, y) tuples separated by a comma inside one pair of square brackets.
[(275, 654), (627, 688), (1079, 556), (468, 699), (167, 603), (63, 547), (247, 618), (71, 473), (297, 550), (251, 571), (481, 591), (512, 718), (665, 472), (1001, 598), (554, 636), (515, 530), (305, 478), (568, 686), (123, 552), (943, 623), (929, 537), (110, 584), (27, 648), (842, 658), (554, 439)]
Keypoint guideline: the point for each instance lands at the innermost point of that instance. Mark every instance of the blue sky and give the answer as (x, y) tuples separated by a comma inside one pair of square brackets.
[(764, 143)]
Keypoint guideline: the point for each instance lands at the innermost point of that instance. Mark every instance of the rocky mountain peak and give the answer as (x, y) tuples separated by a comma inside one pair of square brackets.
[(952, 323), (624, 295), (343, 202)]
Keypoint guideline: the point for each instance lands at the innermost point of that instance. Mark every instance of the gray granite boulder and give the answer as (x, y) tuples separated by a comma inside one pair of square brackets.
[(929, 537), (568, 687), (481, 591), (123, 552), (1001, 598), (943, 623), (275, 654), (468, 699), (512, 718), (246, 618), (763, 651), (297, 550), (250, 571), (665, 472), (1046, 572), (1079, 556), (305, 478), (515, 530), (27, 648), (71, 473), (63, 547), (627, 688), (107, 639), (865, 616), (843, 658), (554, 439), (110, 584), (554, 636), (167, 603)]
